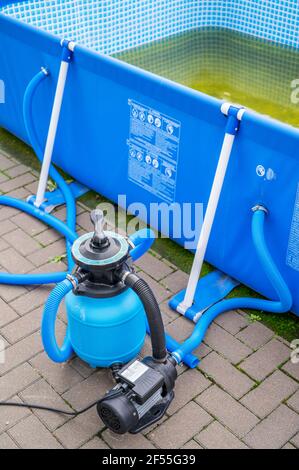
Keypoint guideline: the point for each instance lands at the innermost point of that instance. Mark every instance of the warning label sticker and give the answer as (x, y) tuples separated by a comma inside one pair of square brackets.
[(153, 150), (293, 246)]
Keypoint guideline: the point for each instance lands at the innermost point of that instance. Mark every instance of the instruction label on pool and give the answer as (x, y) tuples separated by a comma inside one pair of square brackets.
[(153, 150), (293, 247)]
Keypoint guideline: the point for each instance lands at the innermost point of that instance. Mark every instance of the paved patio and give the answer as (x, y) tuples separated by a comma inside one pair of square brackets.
[(244, 394)]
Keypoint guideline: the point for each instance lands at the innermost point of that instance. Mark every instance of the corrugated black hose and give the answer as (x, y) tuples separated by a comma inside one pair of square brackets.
[(153, 313)]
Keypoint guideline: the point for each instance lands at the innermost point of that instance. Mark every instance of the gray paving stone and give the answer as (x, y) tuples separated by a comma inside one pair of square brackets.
[(9, 416), (188, 385), (29, 224), (269, 394), (9, 293), (7, 212), (232, 322), (266, 360), (79, 430), (82, 367), (50, 267), (6, 442), (3, 177), (41, 392), (3, 245), (295, 440), (5, 162), (168, 312), (255, 335), (31, 300), (19, 193), (48, 237), (274, 431), (7, 314), (292, 369), (16, 380), (6, 226), (126, 441), (32, 434), (32, 187), (21, 241), (293, 402), (227, 410), (176, 281), (61, 376), (153, 266), (181, 329), (21, 352), (159, 291), (83, 220), (47, 254), (226, 375), (95, 443), (17, 170), (24, 326), (288, 446), (181, 427), (226, 344), (16, 182), (191, 445), (89, 390), (216, 436), (14, 262)]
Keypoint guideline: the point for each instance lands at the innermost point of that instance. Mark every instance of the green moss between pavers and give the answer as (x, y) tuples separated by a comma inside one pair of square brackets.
[(285, 325)]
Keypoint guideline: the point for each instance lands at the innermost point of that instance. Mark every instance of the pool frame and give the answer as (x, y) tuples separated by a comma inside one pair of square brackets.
[(93, 134)]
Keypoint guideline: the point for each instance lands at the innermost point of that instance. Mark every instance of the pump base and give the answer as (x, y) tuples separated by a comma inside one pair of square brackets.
[(211, 288)]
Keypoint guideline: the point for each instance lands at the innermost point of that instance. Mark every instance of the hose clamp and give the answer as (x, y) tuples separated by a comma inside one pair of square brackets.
[(130, 243), (176, 357), (45, 71), (124, 276), (259, 207), (73, 280)]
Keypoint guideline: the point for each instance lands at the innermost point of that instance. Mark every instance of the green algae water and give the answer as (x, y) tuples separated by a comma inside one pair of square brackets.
[(228, 65)]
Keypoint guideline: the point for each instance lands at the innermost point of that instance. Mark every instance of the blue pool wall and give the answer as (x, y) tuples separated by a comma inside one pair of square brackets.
[(92, 147)]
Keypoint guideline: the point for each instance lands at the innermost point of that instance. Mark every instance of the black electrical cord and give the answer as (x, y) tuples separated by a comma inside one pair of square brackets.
[(56, 410)]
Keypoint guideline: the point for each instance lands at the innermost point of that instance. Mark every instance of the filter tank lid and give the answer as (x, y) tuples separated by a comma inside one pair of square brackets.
[(90, 257)]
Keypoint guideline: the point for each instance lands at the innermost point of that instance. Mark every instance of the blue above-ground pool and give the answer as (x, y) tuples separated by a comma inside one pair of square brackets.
[(109, 106)]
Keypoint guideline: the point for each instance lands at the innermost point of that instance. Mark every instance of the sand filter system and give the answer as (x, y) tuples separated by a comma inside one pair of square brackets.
[(109, 308)]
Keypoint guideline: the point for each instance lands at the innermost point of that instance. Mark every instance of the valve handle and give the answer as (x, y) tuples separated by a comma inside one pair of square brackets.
[(142, 242), (99, 239)]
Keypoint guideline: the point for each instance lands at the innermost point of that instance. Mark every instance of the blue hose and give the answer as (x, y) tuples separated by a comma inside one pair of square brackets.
[(68, 229), (56, 353), (47, 278), (54, 174), (282, 305), (143, 240)]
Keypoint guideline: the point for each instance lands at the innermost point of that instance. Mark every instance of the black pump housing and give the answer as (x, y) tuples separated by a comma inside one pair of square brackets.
[(143, 397)]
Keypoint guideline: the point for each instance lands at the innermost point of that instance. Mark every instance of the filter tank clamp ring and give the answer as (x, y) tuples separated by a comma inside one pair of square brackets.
[(73, 280), (259, 207)]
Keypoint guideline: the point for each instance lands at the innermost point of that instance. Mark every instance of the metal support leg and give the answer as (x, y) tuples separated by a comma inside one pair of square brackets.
[(234, 117), (67, 54)]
